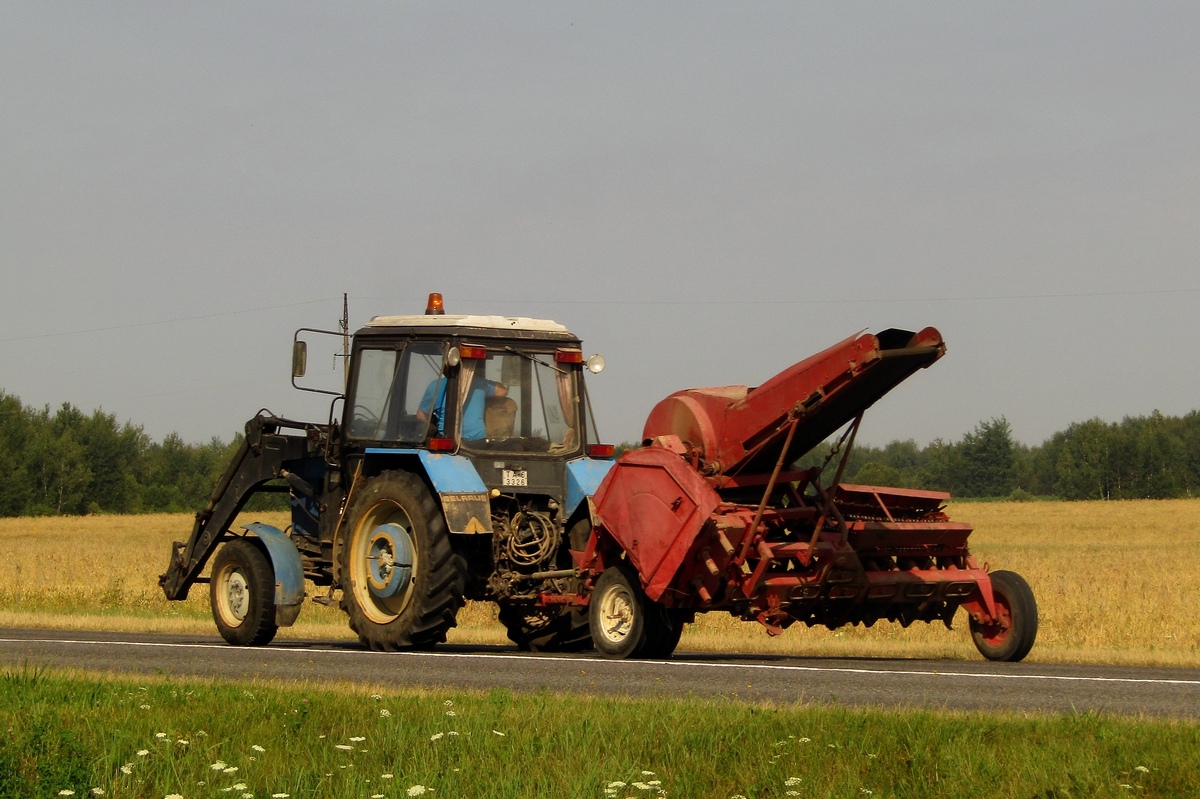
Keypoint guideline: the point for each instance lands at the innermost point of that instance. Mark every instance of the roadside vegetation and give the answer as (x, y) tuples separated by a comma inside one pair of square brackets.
[(79, 735), (1114, 582)]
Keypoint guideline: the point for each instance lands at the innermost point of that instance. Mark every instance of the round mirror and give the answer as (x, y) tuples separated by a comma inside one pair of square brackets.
[(453, 358), (595, 364)]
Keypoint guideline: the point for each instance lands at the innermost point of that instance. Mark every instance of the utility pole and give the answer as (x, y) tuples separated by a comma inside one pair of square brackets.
[(345, 341)]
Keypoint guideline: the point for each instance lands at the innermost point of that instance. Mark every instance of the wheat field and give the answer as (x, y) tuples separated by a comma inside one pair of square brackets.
[(1112, 581)]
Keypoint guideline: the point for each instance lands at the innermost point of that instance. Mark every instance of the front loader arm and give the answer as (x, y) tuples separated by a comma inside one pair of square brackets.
[(259, 459)]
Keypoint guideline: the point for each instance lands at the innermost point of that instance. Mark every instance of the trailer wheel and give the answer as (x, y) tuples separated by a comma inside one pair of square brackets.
[(617, 613), (241, 590), (1012, 635), (402, 584), (664, 628)]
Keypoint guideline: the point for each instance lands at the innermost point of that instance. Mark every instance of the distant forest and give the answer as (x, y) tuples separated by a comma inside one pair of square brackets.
[(70, 462)]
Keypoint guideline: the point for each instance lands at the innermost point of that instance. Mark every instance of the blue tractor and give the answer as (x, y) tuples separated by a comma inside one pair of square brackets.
[(458, 464)]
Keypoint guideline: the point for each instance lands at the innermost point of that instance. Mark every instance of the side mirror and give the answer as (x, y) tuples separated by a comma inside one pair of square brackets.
[(299, 358), (453, 357), (595, 364)]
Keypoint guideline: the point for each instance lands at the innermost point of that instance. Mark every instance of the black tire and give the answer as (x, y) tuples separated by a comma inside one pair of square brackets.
[(617, 613), (241, 591), (1012, 636), (547, 629), (664, 627), (418, 607)]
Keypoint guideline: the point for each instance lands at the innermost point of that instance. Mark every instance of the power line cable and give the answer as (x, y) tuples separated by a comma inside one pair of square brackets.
[(132, 325)]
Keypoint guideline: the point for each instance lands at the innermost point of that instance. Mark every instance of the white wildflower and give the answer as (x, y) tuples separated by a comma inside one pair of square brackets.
[(143, 752), (451, 713), (436, 736), (279, 796), (127, 768), (497, 732), (258, 748), (1142, 769), (229, 770), (417, 790), (790, 781), (616, 784), (386, 776), (805, 740), (183, 742), (160, 735), (344, 747), (97, 792), (641, 786), (385, 713), (239, 786), (453, 733), (173, 796), (66, 792), (144, 707), (357, 739), (376, 697), (220, 765), (447, 703)]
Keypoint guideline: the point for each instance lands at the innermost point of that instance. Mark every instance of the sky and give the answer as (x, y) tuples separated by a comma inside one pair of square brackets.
[(704, 192)]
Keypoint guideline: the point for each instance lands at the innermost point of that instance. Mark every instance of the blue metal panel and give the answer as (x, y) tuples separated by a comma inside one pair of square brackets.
[(289, 571), (463, 494), (450, 474), (583, 478)]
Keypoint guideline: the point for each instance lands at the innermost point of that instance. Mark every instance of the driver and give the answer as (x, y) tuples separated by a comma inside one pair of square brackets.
[(473, 427)]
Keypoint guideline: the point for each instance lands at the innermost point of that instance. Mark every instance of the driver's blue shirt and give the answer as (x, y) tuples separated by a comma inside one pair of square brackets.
[(473, 428)]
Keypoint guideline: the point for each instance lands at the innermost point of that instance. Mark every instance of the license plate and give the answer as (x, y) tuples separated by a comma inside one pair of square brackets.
[(511, 477)]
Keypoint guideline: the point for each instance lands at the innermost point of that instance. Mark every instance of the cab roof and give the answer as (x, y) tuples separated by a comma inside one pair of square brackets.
[(521, 323)]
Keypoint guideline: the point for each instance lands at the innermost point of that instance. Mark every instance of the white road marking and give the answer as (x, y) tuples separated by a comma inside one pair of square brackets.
[(685, 664)]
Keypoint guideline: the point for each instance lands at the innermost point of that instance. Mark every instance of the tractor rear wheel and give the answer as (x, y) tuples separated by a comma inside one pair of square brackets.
[(402, 583), (241, 590), (1011, 635), (547, 629)]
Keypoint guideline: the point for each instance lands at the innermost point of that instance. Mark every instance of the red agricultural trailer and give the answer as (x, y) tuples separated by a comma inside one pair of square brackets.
[(709, 514)]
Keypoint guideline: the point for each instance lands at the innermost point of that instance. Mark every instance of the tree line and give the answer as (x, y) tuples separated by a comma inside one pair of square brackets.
[(70, 462), (1140, 457)]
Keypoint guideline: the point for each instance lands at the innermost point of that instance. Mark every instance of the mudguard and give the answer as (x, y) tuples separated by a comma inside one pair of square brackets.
[(289, 571)]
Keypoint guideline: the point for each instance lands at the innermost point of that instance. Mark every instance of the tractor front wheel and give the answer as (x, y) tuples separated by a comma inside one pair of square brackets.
[(1010, 636), (242, 593), (402, 584)]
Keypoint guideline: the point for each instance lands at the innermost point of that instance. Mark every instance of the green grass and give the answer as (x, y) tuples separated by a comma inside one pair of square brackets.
[(69, 732)]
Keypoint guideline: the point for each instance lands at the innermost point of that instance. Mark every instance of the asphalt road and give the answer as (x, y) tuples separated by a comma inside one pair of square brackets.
[(741, 678)]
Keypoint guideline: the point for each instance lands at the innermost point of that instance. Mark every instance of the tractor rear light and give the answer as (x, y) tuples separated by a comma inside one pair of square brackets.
[(568, 356), (473, 351), (441, 445), (601, 450), (435, 307)]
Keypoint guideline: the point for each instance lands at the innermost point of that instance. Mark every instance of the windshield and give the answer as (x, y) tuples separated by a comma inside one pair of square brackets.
[(518, 401), (389, 387)]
